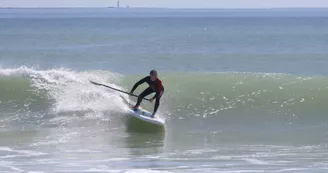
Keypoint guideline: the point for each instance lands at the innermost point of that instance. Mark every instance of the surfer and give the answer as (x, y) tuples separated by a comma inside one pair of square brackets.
[(155, 85)]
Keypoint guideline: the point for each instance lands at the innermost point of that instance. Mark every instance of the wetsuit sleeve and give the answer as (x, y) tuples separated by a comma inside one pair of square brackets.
[(138, 83)]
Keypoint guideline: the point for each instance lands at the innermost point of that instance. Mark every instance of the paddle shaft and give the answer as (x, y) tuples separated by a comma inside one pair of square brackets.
[(95, 83)]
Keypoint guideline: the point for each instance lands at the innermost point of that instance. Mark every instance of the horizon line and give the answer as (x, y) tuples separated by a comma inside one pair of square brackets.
[(168, 8)]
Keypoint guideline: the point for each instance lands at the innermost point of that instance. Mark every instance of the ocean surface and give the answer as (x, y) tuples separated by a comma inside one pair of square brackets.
[(245, 90)]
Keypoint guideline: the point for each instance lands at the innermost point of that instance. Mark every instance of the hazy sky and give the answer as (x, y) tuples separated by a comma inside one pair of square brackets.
[(168, 3)]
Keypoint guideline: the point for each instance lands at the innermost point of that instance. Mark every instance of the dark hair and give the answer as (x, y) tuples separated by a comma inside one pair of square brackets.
[(152, 72)]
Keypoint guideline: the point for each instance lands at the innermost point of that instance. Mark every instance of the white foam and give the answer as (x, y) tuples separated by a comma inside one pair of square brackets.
[(242, 171), (117, 171), (61, 139), (72, 91), (9, 156), (291, 169), (5, 149), (19, 153), (145, 171), (14, 168), (6, 164), (256, 161)]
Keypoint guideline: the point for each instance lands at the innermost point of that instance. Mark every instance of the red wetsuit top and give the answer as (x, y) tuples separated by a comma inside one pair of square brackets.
[(155, 85)]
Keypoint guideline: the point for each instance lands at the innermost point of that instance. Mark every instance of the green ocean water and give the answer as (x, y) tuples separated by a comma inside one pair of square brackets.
[(245, 90)]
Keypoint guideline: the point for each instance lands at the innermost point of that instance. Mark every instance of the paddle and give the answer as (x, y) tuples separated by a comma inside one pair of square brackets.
[(99, 84)]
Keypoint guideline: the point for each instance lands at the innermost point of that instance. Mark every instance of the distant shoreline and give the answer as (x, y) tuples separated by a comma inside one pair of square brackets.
[(158, 8)]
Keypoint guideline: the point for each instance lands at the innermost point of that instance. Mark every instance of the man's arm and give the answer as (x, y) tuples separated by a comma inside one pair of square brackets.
[(138, 83), (159, 90)]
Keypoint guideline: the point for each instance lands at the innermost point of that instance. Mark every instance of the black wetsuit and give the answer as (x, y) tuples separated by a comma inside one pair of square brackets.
[(154, 86)]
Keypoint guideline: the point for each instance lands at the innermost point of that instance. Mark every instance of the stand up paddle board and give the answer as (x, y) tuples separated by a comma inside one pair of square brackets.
[(143, 114), (140, 113)]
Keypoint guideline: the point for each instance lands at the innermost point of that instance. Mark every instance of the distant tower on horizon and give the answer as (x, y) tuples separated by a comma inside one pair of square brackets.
[(118, 4)]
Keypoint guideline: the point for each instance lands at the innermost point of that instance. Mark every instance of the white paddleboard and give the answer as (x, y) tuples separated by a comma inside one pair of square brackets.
[(143, 115)]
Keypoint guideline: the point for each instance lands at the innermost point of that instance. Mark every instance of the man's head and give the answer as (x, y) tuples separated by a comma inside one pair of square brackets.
[(153, 75)]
